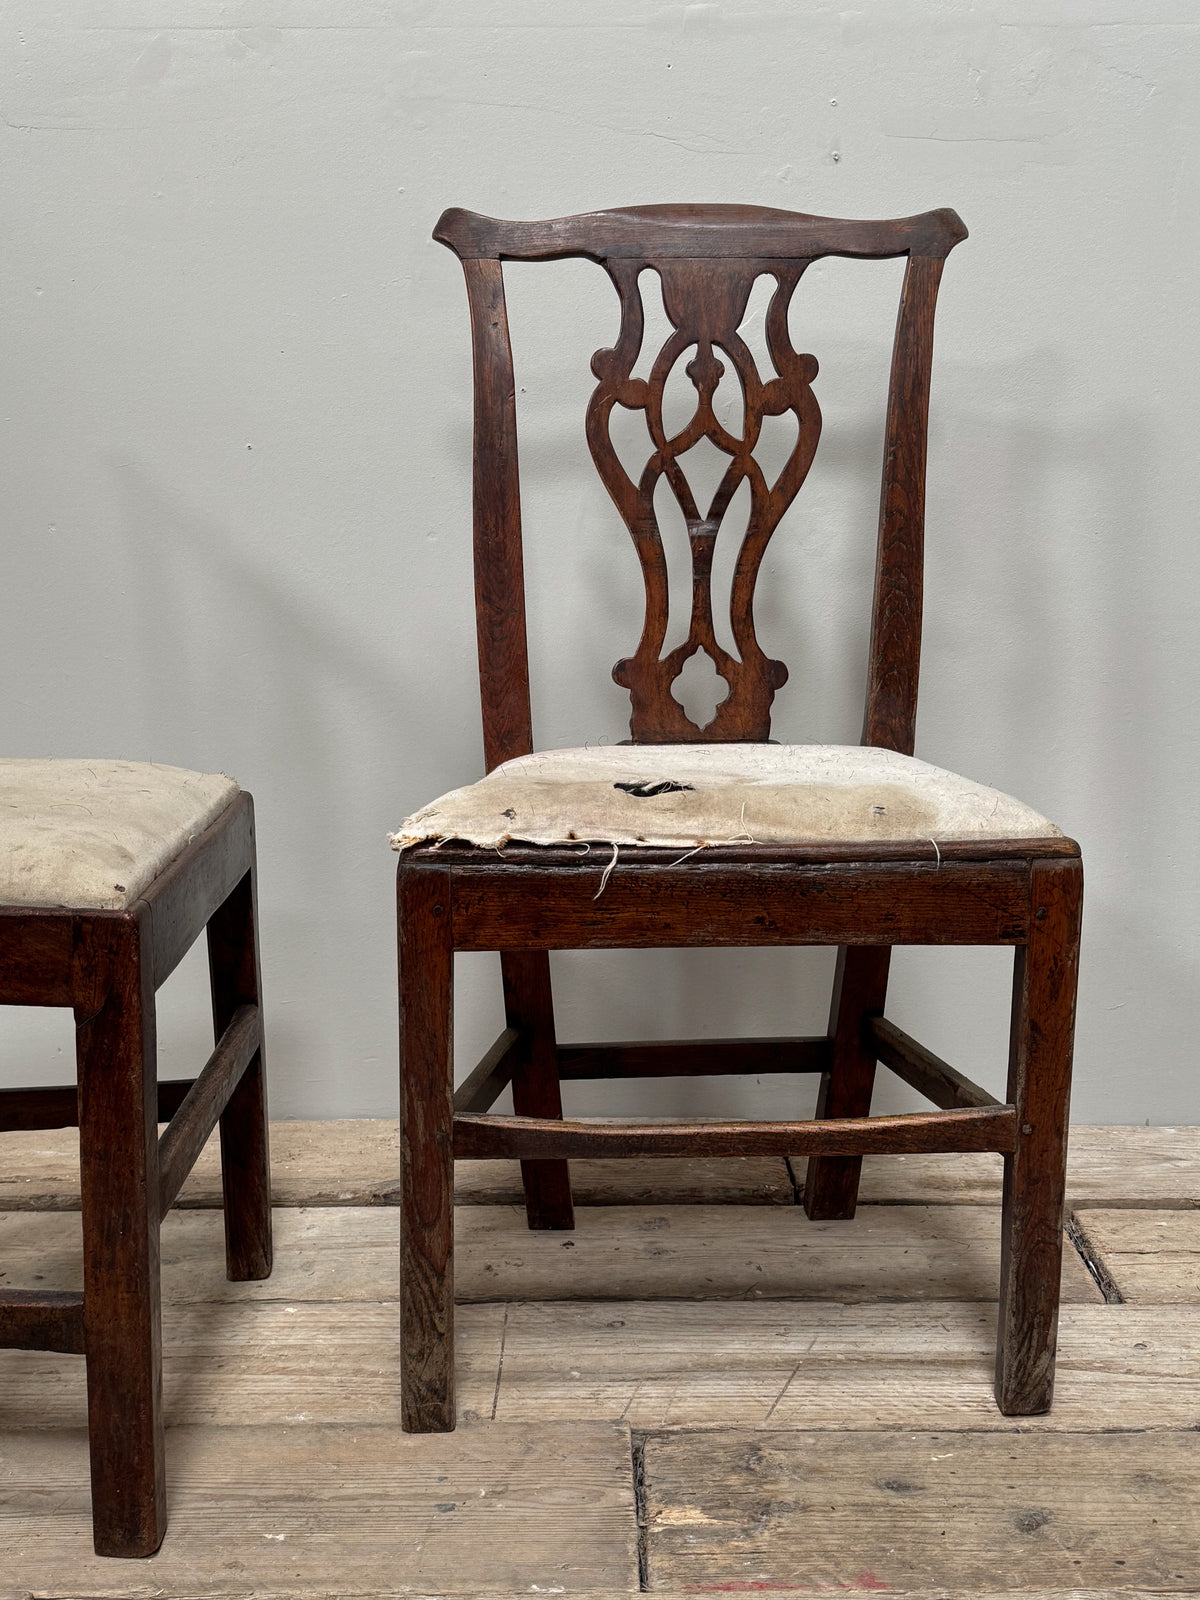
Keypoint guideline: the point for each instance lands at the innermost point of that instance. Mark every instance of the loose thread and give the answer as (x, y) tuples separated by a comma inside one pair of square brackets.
[(936, 851), (607, 873)]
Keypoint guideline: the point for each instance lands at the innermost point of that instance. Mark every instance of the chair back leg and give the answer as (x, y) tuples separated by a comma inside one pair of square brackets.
[(536, 1090), (245, 1154), (859, 992), (426, 1153), (1039, 1085), (118, 1115)]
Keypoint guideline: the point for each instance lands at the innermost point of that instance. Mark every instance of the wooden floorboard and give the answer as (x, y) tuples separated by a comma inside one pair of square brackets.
[(784, 1382), (904, 1511), (834, 1367), (1114, 1167), (357, 1162), (657, 1365), (358, 1510), (1151, 1257), (614, 1252), (278, 1363)]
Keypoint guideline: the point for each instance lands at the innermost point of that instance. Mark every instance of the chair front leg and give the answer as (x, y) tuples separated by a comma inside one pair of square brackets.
[(859, 991), (1039, 1085), (118, 1149), (536, 1091), (233, 966), (426, 1152)]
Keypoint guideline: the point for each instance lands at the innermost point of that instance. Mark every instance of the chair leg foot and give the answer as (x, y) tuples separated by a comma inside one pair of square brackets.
[(427, 1402), (1035, 1175), (245, 1153), (859, 990), (118, 1146)]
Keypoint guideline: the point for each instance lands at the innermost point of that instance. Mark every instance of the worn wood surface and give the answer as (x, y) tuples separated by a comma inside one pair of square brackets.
[(235, 980), (859, 991), (426, 1157), (189, 1129), (119, 1258), (1039, 1086), (707, 259), (615, 1252), (976, 1128), (314, 1350), (1152, 1257), (814, 1364), (891, 1510), (1135, 1168), (552, 904), (357, 1162), (307, 1592), (927, 1073), (536, 1089), (282, 1363), (338, 1511), (829, 1366), (697, 231)]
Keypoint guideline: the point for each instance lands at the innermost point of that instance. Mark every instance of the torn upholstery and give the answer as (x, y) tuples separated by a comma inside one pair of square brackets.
[(706, 794)]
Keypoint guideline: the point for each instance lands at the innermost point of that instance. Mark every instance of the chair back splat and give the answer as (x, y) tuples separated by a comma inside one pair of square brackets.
[(708, 259)]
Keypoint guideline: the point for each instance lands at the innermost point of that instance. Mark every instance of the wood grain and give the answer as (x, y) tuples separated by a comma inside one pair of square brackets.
[(338, 1510), (118, 1146), (277, 1363), (1153, 1257), (536, 1090), (189, 1129), (1039, 1085), (893, 1509), (814, 1364), (426, 1152), (859, 991), (697, 231), (975, 1128), (501, 905), (356, 1162), (616, 1252)]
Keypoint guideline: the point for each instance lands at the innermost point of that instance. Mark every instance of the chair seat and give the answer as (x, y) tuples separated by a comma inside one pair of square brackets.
[(707, 794), (91, 835)]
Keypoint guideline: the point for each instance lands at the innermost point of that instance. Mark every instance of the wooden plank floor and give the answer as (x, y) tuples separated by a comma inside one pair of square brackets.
[(696, 1392)]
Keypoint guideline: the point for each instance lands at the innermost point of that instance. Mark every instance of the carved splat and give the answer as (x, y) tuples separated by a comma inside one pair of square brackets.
[(708, 257), (705, 302)]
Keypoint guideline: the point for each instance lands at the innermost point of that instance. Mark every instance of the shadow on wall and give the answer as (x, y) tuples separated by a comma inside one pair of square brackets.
[(1047, 565)]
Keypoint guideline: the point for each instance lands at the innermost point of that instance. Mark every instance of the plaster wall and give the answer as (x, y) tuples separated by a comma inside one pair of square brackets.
[(237, 427)]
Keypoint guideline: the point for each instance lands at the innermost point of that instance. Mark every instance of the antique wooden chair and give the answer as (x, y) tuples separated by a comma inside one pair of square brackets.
[(859, 847), (109, 871)]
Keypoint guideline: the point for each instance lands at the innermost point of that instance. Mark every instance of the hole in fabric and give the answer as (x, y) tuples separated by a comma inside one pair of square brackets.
[(647, 790)]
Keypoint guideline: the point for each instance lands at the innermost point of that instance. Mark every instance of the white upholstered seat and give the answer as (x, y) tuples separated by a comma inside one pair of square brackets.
[(721, 794), (91, 835)]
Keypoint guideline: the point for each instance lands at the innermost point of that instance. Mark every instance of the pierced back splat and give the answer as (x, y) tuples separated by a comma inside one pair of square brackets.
[(705, 302), (708, 258)]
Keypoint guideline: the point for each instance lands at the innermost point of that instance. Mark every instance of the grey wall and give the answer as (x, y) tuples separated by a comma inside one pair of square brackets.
[(236, 429)]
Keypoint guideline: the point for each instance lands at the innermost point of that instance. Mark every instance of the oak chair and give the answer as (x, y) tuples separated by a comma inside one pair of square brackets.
[(109, 871), (717, 836)]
